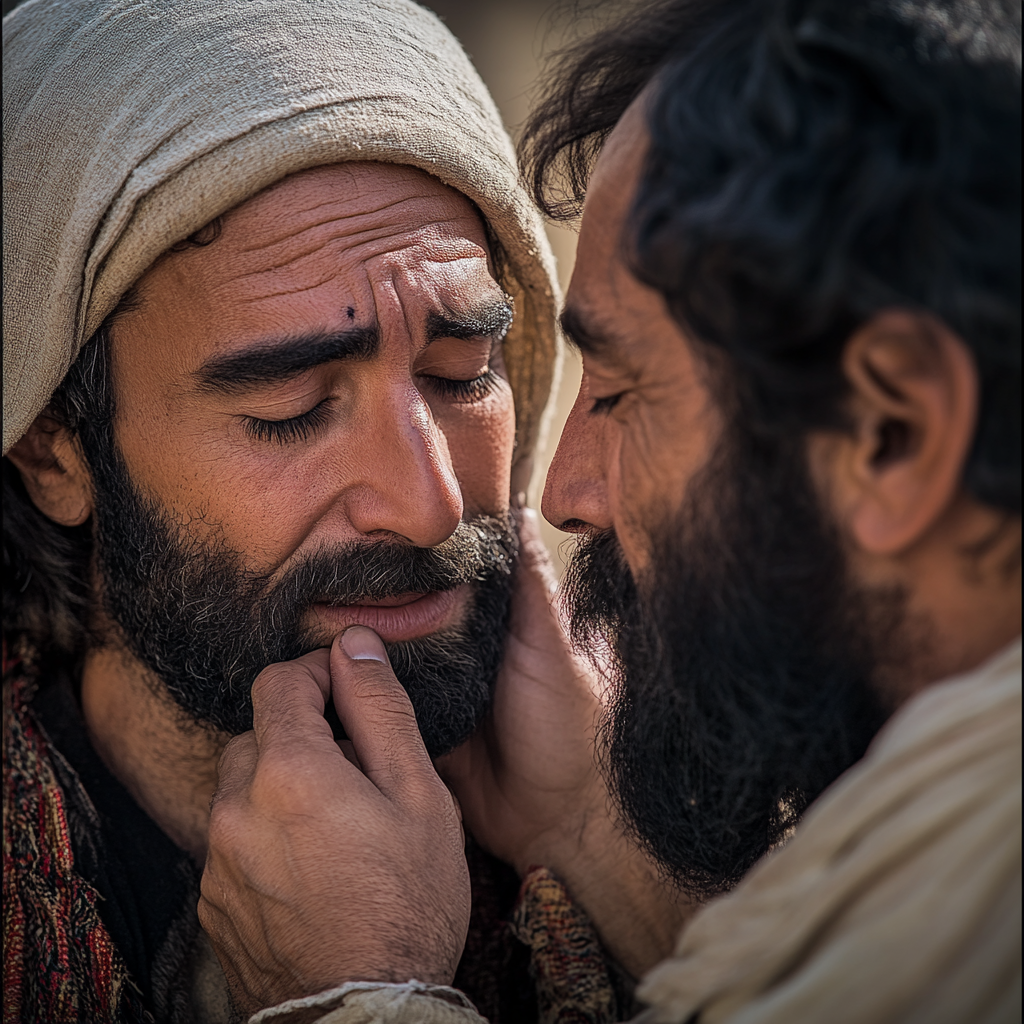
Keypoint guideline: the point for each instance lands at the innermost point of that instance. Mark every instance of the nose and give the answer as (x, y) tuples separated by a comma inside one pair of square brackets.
[(410, 489), (576, 492)]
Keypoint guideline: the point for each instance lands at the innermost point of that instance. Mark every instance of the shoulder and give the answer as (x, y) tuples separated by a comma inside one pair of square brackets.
[(899, 896)]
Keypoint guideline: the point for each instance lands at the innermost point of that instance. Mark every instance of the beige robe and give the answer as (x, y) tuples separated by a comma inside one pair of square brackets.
[(898, 899)]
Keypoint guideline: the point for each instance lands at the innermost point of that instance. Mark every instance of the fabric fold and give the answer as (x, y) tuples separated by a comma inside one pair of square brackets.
[(130, 124)]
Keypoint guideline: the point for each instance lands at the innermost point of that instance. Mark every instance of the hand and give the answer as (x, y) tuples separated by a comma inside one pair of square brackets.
[(529, 785), (527, 779), (320, 871)]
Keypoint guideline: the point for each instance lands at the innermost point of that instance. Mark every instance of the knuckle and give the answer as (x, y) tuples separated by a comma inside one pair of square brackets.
[(238, 753), (269, 681), (430, 796), (208, 919), (227, 826), (284, 786), (382, 693), (239, 745)]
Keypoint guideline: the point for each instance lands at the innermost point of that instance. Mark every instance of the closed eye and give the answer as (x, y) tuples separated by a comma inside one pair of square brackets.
[(605, 404), (296, 428), (474, 390)]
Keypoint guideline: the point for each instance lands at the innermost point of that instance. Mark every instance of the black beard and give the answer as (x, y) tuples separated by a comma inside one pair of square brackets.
[(206, 626), (742, 664)]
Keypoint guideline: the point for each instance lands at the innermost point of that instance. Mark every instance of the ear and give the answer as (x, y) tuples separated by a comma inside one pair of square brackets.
[(914, 409), (54, 472)]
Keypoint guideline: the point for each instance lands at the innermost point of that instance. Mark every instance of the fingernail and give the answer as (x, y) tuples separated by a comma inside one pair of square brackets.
[(360, 643), (520, 499)]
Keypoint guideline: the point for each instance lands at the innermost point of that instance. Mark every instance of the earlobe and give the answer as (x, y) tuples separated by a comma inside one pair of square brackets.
[(54, 472), (914, 406)]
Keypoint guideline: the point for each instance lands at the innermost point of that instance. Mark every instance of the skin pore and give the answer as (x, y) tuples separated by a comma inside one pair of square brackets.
[(328, 371)]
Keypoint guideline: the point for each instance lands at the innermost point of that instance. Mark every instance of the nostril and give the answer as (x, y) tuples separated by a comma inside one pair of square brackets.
[(575, 526)]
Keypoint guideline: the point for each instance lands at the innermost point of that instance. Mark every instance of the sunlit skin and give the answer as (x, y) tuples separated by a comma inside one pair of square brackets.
[(646, 422), (644, 425), (399, 443), (389, 453)]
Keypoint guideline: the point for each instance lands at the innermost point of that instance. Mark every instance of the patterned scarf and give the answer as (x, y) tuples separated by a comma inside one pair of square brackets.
[(60, 964)]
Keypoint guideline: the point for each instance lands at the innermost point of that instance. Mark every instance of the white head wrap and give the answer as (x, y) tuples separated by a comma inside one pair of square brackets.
[(130, 124)]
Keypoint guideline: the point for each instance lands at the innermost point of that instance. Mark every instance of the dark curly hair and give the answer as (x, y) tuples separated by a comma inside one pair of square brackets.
[(811, 162)]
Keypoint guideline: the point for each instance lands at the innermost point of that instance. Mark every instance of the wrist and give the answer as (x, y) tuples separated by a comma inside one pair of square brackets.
[(636, 912)]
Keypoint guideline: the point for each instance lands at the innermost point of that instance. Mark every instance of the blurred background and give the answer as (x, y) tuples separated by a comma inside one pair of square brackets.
[(508, 41)]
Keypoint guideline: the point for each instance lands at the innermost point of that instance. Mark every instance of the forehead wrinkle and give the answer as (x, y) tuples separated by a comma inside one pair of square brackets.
[(354, 253), (314, 246), (341, 217)]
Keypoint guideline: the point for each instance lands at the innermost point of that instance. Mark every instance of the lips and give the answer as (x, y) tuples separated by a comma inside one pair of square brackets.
[(404, 617)]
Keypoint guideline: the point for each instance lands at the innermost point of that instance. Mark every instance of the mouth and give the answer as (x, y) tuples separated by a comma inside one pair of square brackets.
[(401, 617)]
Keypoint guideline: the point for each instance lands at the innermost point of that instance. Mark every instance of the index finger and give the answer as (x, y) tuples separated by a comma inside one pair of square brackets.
[(288, 702)]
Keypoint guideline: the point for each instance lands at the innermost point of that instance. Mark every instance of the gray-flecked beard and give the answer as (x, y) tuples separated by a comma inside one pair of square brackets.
[(206, 625)]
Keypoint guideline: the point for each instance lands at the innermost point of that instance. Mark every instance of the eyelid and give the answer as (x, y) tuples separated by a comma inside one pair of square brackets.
[(475, 345), (289, 430), (605, 404), (474, 390)]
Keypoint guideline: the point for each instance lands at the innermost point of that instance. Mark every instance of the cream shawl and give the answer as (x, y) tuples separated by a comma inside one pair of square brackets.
[(899, 897), (130, 124)]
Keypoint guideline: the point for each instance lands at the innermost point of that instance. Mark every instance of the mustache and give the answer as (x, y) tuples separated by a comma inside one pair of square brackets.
[(598, 590), (482, 548)]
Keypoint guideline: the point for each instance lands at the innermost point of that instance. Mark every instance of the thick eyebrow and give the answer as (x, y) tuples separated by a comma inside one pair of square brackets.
[(270, 362), (581, 335), (487, 321)]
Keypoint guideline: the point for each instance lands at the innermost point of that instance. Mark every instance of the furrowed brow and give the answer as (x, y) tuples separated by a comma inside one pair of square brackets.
[(484, 322), (279, 360), (581, 335)]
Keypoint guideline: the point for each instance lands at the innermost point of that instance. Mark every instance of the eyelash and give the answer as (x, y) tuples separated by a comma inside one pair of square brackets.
[(475, 390), (605, 404), (299, 428)]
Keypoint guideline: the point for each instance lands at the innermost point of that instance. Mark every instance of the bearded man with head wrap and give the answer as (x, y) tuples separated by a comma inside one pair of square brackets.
[(279, 332)]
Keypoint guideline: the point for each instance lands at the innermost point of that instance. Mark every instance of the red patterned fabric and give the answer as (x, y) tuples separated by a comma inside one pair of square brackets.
[(574, 984), (60, 964)]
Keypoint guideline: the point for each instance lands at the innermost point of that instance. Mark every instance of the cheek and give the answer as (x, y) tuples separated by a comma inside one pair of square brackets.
[(652, 462), (261, 504), (481, 439)]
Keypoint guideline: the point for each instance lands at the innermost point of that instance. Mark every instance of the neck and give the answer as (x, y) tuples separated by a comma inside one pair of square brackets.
[(964, 585), (166, 762)]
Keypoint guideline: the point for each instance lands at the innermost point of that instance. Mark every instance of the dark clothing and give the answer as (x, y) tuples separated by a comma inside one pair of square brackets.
[(100, 920)]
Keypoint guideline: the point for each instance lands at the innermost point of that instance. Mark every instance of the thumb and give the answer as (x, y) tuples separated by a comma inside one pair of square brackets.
[(535, 617), (376, 712)]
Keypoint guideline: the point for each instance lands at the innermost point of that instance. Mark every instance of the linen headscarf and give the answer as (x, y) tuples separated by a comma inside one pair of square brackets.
[(131, 124)]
